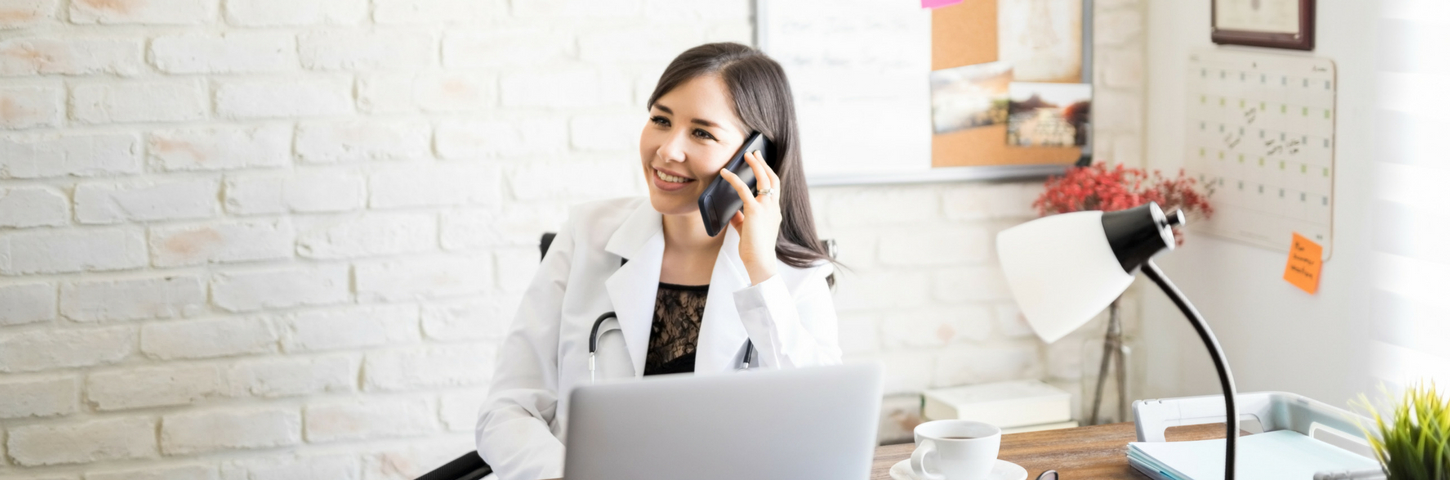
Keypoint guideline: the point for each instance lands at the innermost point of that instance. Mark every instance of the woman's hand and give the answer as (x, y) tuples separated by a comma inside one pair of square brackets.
[(758, 221)]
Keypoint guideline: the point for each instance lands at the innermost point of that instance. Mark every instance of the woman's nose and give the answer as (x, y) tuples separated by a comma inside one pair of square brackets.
[(673, 149)]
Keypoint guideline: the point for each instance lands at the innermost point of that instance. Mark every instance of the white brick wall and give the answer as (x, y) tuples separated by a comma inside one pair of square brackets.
[(321, 191), (72, 250), (353, 50), (139, 101), (242, 291), (302, 97), (115, 202), (81, 155), (37, 350), (441, 186), (340, 467), (213, 430), (379, 417), (85, 441), (38, 396), (32, 207), (252, 239), (132, 388), (223, 148), (180, 472), (153, 12), (349, 328), (275, 13), (367, 235), (221, 242), (241, 52), (208, 338), (133, 299), (26, 13), (462, 365), (70, 56), (293, 376), (27, 303), (362, 140)]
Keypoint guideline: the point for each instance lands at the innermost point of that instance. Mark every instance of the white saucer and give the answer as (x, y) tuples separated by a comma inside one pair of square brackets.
[(1003, 470)]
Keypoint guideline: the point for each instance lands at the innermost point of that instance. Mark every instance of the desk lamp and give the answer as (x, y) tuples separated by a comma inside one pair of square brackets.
[(1064, 269)]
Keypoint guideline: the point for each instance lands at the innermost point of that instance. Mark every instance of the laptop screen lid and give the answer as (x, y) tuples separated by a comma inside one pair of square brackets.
[(805, 423)]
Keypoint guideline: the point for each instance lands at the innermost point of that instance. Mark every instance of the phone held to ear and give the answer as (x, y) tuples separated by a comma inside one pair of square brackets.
[(720, 201)]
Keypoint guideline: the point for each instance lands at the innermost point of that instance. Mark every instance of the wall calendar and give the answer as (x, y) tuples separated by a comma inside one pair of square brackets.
[(1261, 135)]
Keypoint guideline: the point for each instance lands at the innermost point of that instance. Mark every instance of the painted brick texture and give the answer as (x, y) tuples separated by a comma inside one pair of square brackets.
[(280, 239)]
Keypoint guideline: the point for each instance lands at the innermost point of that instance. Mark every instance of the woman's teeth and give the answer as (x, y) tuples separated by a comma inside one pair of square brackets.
[(670, 178)]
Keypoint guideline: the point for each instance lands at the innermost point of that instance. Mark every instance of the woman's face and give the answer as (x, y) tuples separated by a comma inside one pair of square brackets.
[(691, 133)]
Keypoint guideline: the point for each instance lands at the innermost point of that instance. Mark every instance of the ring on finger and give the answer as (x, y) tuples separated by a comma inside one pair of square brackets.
[(768, 191)]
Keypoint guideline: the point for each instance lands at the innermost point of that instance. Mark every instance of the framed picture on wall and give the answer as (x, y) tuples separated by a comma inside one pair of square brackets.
[(1264, 23)]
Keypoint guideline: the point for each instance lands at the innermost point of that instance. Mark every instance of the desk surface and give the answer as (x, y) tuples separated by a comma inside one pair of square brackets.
[(1084, 453)]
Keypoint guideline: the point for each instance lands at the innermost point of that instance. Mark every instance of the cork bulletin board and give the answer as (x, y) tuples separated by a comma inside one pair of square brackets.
[(966, 34)]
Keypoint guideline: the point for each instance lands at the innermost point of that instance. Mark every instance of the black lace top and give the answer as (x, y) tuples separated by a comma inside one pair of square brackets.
[(676, 328)]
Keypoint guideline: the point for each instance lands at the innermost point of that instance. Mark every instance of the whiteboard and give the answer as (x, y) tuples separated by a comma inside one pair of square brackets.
[(858, 71), (1261, 133)]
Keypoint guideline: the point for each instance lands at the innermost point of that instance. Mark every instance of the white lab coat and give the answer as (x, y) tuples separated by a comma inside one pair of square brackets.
[(789, 317)]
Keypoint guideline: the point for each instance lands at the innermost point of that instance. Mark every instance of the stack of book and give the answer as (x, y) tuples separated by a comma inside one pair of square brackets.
[(1015, 407)]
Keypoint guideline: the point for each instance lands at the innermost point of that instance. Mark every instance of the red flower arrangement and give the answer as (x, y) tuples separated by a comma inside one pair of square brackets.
[(1097, 187)]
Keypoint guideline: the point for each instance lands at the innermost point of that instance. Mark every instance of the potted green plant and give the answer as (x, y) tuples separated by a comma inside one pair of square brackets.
[(1414, 442)]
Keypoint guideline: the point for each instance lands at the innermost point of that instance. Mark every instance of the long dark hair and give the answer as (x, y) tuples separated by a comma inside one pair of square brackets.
[(762, 100)]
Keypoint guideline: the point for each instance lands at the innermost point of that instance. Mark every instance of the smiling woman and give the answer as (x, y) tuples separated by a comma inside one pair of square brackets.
[(723, 92), (685, 301)]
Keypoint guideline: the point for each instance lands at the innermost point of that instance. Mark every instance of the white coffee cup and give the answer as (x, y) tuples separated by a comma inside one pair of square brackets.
[(955, 449)]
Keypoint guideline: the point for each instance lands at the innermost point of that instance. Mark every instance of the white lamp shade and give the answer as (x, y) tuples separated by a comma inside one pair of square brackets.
[(1061, 270)]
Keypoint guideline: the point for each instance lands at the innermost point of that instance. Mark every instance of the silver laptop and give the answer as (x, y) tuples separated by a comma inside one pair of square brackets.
[(806, 423)]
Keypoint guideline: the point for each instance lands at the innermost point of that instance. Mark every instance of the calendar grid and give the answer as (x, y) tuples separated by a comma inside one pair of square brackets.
[(1260, 133)]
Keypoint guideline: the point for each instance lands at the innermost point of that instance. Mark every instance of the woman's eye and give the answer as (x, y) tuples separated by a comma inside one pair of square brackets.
[(703, 135), (661, 121)]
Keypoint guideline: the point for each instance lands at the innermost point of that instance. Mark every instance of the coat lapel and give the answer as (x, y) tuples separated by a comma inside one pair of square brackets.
[(632, 288), (722, 336)]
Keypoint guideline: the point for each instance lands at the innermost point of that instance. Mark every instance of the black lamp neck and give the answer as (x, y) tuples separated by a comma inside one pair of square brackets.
[(1215, 352), (1138, 233)]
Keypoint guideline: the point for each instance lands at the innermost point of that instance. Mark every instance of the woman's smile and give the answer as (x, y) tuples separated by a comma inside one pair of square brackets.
[(671, 181)]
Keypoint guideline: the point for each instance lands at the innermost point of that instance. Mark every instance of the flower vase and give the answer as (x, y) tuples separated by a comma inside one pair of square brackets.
[(1106, 365)]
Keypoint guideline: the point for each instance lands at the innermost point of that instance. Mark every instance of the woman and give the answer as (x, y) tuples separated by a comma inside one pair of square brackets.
[(685, 301)]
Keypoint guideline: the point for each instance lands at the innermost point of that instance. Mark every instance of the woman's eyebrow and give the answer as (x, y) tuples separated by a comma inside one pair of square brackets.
[(697, 121)]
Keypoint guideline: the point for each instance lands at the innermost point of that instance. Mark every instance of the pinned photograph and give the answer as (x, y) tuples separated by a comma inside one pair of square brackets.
[(1041, 39), (1048, 114), (969, 97)]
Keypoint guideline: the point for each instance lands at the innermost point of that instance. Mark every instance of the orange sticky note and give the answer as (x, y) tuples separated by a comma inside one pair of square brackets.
[(1305, 259)]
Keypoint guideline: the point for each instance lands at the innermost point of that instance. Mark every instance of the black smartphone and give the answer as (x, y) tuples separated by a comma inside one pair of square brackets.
[(720, 202)]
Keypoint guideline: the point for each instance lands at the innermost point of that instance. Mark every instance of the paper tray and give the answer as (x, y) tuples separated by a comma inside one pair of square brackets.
[(1258, 412)]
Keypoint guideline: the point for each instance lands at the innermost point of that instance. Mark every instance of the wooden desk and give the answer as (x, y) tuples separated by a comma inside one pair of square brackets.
[(1083, 453)]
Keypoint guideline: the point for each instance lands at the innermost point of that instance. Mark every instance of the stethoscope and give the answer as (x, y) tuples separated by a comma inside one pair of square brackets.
[(594, 345)]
